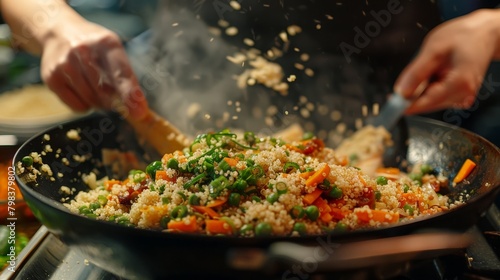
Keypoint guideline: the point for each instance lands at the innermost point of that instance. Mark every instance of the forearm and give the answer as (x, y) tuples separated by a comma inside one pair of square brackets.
[(32, 22)]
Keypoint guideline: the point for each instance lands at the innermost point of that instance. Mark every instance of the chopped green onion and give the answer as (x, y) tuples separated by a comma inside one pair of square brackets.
[(249, 138), (290, 166), (152, 168), (240, 185), (179, 212), (281, 188), (194, 200), (164, 221), (217, 185), (272, 198), (173, 163), (234, 199), (195, 180)]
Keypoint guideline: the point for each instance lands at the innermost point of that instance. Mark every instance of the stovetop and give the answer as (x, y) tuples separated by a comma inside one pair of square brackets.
[(47, 257)]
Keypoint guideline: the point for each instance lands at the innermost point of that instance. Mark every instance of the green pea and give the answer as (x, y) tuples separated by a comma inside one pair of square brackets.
[(234, 199), (84, 210), (27, 161), (94, 205), (194, 200), (426, 169), (137, 176), (381, 180), (408, 209), (179, 212), (165, 200), (312, 212), (341, 227), (164, 221), (297, 212), (256, 198), (173, 163), (153, 167), (308, 135), (406, 188), (240, 185), (378, 195), (335, 192), (91, 216), (263, 229), (272, 198), (415, 176), (246, 228), (249, 138), (102, 199), (300, 228), (123, 221)]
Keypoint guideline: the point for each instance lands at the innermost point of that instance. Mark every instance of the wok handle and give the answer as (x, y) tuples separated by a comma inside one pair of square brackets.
[(328, 256)]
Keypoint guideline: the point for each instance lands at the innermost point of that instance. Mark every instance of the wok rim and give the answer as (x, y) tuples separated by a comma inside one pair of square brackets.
[(338, 236)]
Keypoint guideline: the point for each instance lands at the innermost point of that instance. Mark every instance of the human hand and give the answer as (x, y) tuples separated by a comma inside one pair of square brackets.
[(452, 63), (87, 66)]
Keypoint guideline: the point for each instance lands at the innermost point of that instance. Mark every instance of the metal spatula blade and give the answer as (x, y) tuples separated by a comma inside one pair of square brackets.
[(391, 112)]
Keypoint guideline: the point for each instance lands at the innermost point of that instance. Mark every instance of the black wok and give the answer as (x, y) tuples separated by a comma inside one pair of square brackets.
[(141, 254)]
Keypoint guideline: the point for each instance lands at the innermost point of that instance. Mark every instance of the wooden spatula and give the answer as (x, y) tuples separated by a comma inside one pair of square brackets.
[(157, 132)]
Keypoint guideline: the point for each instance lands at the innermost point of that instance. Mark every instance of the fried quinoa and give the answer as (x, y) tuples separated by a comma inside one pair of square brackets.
[(224, 184)]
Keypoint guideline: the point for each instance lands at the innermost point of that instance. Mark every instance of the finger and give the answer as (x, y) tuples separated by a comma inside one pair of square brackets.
[(75, 73), (67, 94), (453, 91), (101, 90), (125, 82), (418, 72)]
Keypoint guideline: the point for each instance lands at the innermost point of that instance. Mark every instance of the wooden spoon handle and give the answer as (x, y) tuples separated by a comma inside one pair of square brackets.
[(154, 130)]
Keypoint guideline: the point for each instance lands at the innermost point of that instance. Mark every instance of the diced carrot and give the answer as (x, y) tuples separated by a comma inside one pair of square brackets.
[(162, 175), (318, 176), (216, 203), (218, 227), (184, 226), (309, 198), (305, 175), (206, 210), (322, 205), (110, 183), (166, 157), (307, 146), (382, 216), (231, 161), (407, 198), (339, 214), (326, 217), (388, 170), (464, 171)]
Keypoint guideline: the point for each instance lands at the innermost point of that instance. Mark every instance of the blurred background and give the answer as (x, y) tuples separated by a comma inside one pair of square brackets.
[(338, 64)]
